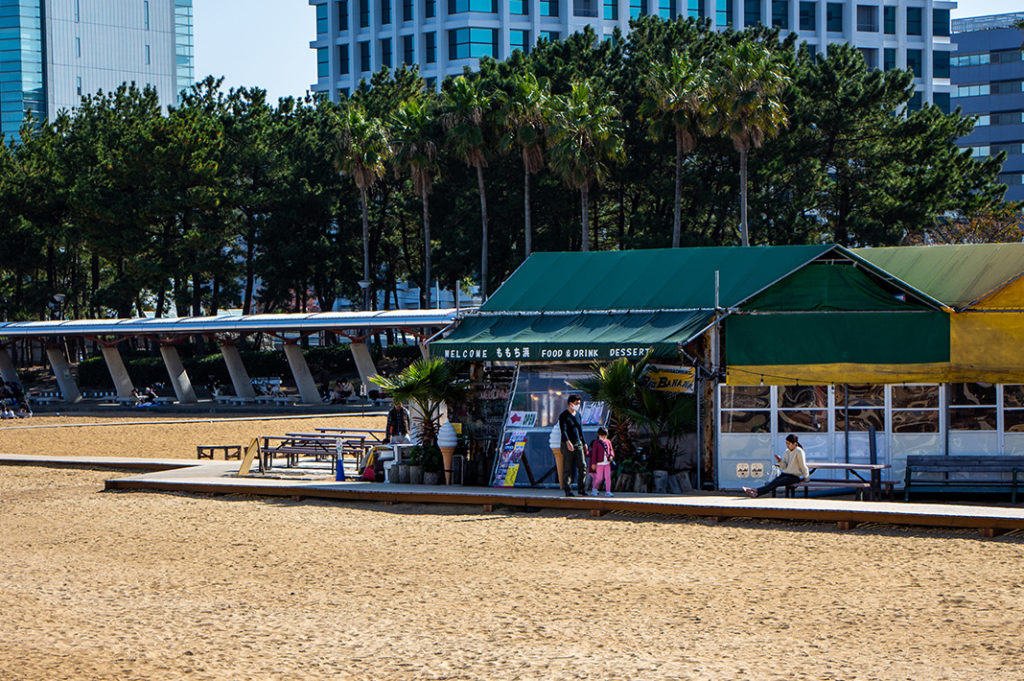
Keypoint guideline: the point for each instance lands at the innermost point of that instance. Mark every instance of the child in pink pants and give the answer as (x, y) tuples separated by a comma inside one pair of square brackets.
[(601, 457)]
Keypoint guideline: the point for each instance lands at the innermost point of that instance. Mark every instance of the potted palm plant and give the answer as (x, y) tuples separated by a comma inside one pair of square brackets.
[(428, 385)]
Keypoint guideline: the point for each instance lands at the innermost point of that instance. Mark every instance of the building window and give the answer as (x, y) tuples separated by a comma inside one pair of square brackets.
[(667, 9), (985, 120), (780, 13), (1006, 87), (803, 409), (323, 68), (723, 12), (940, 22), (915, 102), (430, 9), (343, 60), (148, 59), (472, 43), (914, 21), (808, 16), (78, 16), (1003, 118), (364, 13), (385, 52), (637, 8), (430, 83), (751, 12), (430, 47), (867, 18), (549, 8), (980, 152), (584, 8), (859, 407), (1007, 56), (364, 56), (889, 18), (941, 100), (485, 6), (78, 48), (145, 14), (981, 90), (409, 49), (915, 62), (870, 55), (408, 10), (972, 406), (519, 40), (1011, 149), (342, 15), (321, 19), (834, 17), (611, 9), (915, 408), (385, 12), (889, 58), (940, 64), (343, 93), (746, 409), (694, 8), (1014, 418), (971, 59), (549, 36), (519, 7), (78, 80)]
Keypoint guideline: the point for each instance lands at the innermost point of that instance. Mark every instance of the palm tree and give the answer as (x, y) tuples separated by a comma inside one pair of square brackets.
[(416, 151), (585, 139), (428, 384), (463, 109), (363, 153), (676, 104), (524, 110), (747, 105)]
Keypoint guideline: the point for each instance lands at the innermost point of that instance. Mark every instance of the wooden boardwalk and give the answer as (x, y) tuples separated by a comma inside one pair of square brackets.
[(219, 478)]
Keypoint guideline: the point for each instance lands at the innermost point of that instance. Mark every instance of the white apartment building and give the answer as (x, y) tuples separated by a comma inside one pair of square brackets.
[(355, 38), (52, 52)]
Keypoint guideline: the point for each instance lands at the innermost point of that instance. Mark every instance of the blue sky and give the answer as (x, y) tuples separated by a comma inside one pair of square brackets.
[(266, 42)]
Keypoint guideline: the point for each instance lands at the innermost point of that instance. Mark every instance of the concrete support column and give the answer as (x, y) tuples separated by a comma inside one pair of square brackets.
[(424, 350), (300, 372), (176, 373), (62, 371), (118, 372), (236, 368), (7, 370), (364, 363)]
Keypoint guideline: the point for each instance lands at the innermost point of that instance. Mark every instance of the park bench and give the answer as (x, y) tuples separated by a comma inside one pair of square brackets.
[(861, 488), (967, 473), (229, 451)]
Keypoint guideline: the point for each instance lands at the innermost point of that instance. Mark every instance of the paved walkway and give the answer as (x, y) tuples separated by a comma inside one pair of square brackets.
[(219, 477)]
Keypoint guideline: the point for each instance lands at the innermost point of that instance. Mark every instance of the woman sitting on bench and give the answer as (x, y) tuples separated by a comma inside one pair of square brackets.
[(793, 465)]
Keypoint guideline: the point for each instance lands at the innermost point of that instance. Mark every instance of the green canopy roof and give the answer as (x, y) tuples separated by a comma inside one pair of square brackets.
[(959, 275), (654, 279), (571, 337)]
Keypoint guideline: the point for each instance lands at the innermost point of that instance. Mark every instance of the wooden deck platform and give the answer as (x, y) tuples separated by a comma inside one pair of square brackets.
[(219, 478)]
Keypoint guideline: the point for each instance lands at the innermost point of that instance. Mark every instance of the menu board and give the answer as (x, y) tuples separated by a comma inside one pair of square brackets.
[(509, 458)]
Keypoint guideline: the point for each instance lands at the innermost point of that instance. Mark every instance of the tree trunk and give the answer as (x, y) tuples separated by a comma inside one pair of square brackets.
[(676, 208), (366, 249), (584, 209), (744, 238), (250, 272), (483, 226), (527, 224), (426, 250)]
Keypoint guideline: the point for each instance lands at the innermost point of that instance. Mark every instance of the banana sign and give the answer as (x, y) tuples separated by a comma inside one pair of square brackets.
[(669, 379)]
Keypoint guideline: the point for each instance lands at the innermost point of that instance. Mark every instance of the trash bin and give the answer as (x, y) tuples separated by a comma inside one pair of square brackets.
[(339, 473)]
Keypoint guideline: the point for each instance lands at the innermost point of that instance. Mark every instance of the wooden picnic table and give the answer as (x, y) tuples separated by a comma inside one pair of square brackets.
[(874, 471), (372, 432)]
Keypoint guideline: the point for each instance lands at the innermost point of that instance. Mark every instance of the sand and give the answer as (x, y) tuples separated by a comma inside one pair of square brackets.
[(117, 585), (74, 436)]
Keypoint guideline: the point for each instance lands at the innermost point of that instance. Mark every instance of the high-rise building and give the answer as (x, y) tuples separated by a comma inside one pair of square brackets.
[(54, 51), (355, 38), (988, 74)]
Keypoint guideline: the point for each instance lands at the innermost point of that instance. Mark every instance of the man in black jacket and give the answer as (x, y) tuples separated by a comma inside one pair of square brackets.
[(570, 423)]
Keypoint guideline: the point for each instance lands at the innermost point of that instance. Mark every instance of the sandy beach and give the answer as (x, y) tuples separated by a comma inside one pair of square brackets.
[(104, 585)]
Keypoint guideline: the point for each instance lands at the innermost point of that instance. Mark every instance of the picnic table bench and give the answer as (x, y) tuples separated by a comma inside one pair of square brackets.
[(295, 446), (229, 451), (969, 473), (870, 487)]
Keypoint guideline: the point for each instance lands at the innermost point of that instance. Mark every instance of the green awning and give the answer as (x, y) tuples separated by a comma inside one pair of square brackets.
[(653, 279), (959, 275), (585, 337)]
